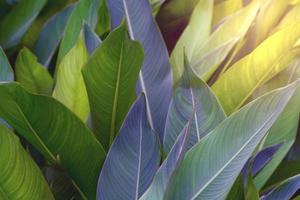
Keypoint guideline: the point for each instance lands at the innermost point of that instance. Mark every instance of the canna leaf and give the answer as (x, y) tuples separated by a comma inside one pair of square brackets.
[(249, 73), (92, 40), (103, 25), (84, 11), (155, 79), (32, 75), (18, 20), (195, 34), (51, 35), (70, 88), (6, 72), (20, 177), (226, 8), (240, 21), (133, 158), (191, 96), (161, 179), (285, 190), (110, 76), (251, 192), (56, 132), (224, 156)]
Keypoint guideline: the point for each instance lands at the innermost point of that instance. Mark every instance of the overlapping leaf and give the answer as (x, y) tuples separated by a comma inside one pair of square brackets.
[(110, 76), (56, 132), (155, 78), (224, 156), (191, 97), (20, 177), (132, 160), (226, 8), (92, 40), (6, 72)]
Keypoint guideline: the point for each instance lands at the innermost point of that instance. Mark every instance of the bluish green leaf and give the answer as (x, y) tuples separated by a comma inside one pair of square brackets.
[(6, 72), (92, 40)]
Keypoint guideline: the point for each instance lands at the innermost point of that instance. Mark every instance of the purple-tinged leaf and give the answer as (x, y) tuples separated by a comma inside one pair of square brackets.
[(155, 79), (285, 190), (191, 93), (92, 40), (157, 189), (51, 35), (132, 160)]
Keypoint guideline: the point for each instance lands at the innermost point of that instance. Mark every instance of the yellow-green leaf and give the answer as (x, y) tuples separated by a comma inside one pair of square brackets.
[(253, 70), (70, 88), (225, 8)]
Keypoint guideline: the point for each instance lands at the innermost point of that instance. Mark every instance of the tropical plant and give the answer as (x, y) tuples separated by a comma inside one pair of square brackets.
[(98, 102)]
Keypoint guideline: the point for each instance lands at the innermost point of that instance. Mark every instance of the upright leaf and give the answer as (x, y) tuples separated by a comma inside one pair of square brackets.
[(51, 35), (155, 79), (6, 72), (20, 177), (110, 76), (70, 88), (195, 34), (224, 156), (56, 132), (18, 20), (32, 75), (191, 97), (240, 22), (132, 160), (226, 8), (92, 40), (253, 70), (162, 177)]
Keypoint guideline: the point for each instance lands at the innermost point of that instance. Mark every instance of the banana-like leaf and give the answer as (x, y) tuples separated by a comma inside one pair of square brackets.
[(161, 179), (251, 192), (51, 35), (32, 75), (240, 22), (6, 72), (255, 69), (20, 177), (285, 190), (155, 79), (103, 24), (226, 8), (84, 12), (70, 88), (18, 20), (92, 40), (224, 157), (192, 97), (195, 34), (56, 132), (110, 76), (133, 158)]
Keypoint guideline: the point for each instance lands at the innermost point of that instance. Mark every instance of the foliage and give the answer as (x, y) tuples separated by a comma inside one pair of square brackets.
[(150, 100)]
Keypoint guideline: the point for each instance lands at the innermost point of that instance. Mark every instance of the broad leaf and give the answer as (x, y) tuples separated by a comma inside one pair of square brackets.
[(194, 35), (161, 179), (292, 17), (191, 97), (92, 40), (20, 177), (224, 156), (51, 35), (70, 88), (252, 71), (285, 190), (251, 192), (110, 76), (18, 20), (155, 79), (6, 72), (85, 11), (133, 158), (103, 25), (32, 75), (240, 22), (226, 8), (56, 132)]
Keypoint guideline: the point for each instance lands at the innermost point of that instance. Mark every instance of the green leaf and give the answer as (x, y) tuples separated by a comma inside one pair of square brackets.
[(32, 75), (224, 157), (70, 88), (103, 24), (226, 8), (240, 22), (197, 31), (20, 177), (56, 132), (246, 75), (18, 20), (110, 76), (237, 190), (6, 72), (251, 192)]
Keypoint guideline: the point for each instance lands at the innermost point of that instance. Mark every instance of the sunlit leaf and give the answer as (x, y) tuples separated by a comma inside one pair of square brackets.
[(226, 8), (133, 158)]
